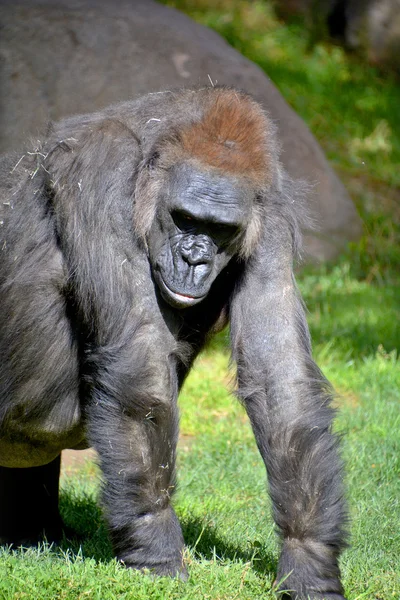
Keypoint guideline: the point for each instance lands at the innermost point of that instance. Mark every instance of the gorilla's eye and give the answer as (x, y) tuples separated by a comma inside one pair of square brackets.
[(182, 220), (225, 234)]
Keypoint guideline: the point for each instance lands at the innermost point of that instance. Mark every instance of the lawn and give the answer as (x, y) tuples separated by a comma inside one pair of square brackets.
[(354, 316)]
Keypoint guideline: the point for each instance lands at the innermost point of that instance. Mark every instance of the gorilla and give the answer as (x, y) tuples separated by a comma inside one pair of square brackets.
[(127, 238)]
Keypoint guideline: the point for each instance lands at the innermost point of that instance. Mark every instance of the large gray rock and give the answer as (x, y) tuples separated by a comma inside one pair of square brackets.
[(60, 57)]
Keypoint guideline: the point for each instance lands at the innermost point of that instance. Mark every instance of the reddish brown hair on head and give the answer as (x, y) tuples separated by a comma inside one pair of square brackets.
[(232, 136), (223, 129)]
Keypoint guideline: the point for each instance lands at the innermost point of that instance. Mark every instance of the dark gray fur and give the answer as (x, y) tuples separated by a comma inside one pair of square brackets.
[(90, 351)]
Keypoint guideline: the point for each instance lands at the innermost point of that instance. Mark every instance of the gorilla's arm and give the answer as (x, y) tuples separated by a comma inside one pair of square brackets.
[(126, 349), (288, 402)]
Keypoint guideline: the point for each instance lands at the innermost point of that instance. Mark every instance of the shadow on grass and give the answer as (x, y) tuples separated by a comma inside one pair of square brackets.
[(204, 540), (86, 532), (83, 517), (359, 321)]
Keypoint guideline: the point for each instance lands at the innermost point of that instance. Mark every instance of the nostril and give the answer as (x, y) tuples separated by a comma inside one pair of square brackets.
[(197, 256), (196, 252)]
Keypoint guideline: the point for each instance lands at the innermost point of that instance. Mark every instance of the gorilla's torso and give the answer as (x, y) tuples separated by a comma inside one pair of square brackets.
[(27, 444)]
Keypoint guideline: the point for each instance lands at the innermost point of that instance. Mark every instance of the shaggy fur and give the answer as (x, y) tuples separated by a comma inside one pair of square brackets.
[(233, 135), (128, 237)]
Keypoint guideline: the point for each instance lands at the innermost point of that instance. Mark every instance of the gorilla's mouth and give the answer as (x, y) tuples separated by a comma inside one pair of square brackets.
[(176, 299)]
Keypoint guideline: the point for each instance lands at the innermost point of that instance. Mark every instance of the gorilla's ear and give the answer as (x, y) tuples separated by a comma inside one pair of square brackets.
[(149, 185)]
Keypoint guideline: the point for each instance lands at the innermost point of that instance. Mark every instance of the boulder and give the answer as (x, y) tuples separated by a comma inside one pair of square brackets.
[(60, 57)]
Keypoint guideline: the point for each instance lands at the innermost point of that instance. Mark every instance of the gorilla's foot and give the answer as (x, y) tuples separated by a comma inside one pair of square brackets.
[(156, 544), (172, 569), (29, 505), (311, 596), (308, 571)]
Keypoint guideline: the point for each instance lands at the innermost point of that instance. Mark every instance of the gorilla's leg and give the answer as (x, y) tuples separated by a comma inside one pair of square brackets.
[(300, 454), (29, 504), (135, 435), (137, 458), (289, 404)]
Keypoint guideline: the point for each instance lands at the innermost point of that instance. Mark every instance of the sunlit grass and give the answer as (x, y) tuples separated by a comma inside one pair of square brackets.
[(354, 316)]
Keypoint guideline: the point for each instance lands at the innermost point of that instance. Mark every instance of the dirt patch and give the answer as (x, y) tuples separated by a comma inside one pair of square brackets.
[(73, 460)]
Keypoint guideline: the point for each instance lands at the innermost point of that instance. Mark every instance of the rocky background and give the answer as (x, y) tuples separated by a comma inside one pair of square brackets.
[(60, 57)]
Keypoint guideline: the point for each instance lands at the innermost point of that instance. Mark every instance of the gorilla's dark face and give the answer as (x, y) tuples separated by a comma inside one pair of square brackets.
[(198, 232)]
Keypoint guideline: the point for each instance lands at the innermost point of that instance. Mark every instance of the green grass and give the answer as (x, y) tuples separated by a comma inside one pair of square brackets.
[(354, 316)]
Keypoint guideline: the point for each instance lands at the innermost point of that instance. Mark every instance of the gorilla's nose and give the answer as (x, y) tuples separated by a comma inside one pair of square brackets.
[(196, 251)]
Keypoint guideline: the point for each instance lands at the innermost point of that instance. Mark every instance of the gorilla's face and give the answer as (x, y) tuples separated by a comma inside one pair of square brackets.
[(198, 232)]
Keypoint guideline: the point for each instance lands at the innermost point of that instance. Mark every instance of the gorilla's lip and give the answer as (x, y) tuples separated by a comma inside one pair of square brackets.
[(176, 299)]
